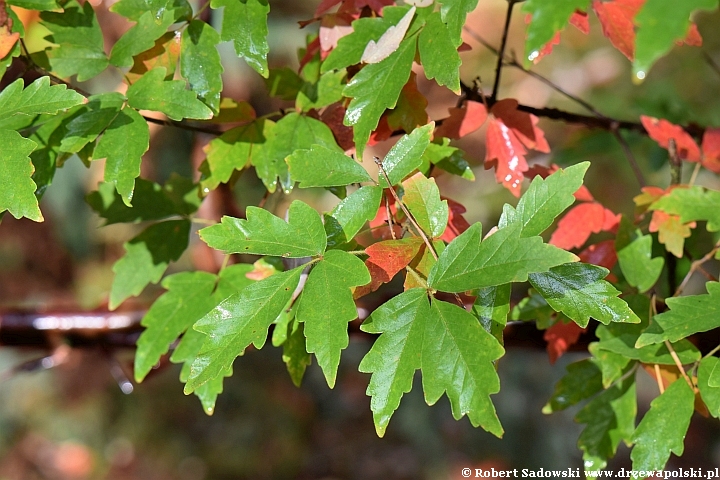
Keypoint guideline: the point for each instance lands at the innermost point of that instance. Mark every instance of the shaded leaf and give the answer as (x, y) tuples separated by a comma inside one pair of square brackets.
[(141, 36), (326, 306), (90, 120), (164, 53), (147, 257), (200, 62), (463, 121), (662, 430), (327, 90), (582, 380), (710, 392), (408, 114), (295, 354), (559, 337), (265, 234), (447, 158), (491, 307)]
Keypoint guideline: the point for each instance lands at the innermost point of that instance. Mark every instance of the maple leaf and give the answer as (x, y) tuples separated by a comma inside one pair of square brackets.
[(312, 49), (508, 133), (333, 116), (463, 121), (560, 337), (602, 254), (382, 219), (649, 196), (662, 131), (456, 222), (711, 149), (409, 112), (671, 231), (578, 20), (382, 132), (576, 226), (582, 194), (616, 19)]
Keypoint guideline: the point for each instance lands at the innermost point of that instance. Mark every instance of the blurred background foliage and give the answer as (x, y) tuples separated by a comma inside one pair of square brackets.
[(73, 422)]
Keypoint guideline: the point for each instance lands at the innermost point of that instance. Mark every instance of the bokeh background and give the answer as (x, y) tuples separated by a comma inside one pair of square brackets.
[(74, 422)]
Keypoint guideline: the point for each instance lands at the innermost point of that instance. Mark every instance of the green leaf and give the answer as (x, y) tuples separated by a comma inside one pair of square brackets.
[(687, 315), (325, 167), (284, 83), (17, 189), (579, 291), (501, 258), (582, 380), (292, 132), (265, 234), (637, 264), (189, 297), (349, 216), (620, 338), (454, 13), (123, 144), (39, 97), (35, 4), (491, 307), (547, 19), (544, 200), (150, 201), (376, 88), (200, 62), (662, 430), (610, 418), (244, 22), (693, 203), (326, 306), (80, 47), (327, 90), (295, 354), (238, 321), (612, 365), (147, 257), (44, 157), (447, 343), (141, 37), (134, 9), (448, 158), (350, 48), (232, 151), (422, 198), (152, 92), (535, 308), (438, 53), (657, 31), (710, 393), (90, 121), (406, 155)]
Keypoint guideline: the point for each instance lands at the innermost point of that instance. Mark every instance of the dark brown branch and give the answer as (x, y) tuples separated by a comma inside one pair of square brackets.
[(501, 53)]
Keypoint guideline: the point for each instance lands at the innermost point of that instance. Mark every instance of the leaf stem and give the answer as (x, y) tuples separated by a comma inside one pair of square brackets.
[(501, 52), (659, 380), (694, 266), (678, 364)]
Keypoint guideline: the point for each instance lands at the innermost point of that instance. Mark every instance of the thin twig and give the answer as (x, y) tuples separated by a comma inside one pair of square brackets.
[(694, 175), (694, 266), (678, 364), (629, 155), (388, 214), (658, 379), (501, 52), (407, 213)]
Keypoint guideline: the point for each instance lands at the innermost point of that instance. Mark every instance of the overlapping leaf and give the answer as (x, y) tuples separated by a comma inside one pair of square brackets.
[(453, 351), (438, 53), (238, 321), (710, 393), (146, 258), (142, 36), (453, 13), (491, 307), (547, 19), (580, 222), (200, 62), (320, 166), (37, 98), (692, 203), (582, 380), (153, 92), (634, 252), (89, 121), (326, 306), (265, 234), (422, 199), (405, 156), (662, 430), (349, 216)]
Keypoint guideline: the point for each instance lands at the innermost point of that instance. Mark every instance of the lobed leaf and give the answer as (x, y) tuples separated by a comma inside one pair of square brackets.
[(265, 234), (17, 189), (149, 27), (200, 62), (422, 199), (320, 166), (152, 92), (349, 216), (245, 24), (548, 18), (90, 120), (692, 203), (37, 98), (582, 380), (708, 390), (406, 155), (438, 53)]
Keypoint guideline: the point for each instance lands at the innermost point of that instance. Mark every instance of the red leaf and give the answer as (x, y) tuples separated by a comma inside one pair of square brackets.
[(602, 253), (662, 131), (409, 112), (456, 222), (312, 48), (324, 6), (582, 220), (376, 5), (560, 337), (507, 136), (616, 19), (582, 195), (386, 260), (711, 149), (333, 117), (382, 219), (580, 21), (693, 38), (463, 121), (382, 132)]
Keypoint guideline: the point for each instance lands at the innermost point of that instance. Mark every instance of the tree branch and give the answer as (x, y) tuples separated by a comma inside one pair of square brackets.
[(501, 53)]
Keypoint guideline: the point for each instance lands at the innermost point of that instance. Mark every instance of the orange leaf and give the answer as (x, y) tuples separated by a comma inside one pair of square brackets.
[(671, 232), (582, 220), (582, 195), (456, 222), (463, 121), (8, 39), (312, 48), (662, 131), (381, 219), (506, 153), (164, 53), (382, 132), (616, 19), (580, 21), (560, 337), (693, 37), (711, 149), (385, 260)]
